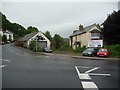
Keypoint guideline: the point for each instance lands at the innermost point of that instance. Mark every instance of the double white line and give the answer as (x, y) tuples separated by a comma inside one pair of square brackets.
[(86, 76)]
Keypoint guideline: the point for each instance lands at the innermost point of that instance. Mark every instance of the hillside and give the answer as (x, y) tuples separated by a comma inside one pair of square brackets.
[(17, 29)]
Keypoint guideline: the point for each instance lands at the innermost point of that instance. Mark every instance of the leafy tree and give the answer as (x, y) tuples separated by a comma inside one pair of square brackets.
[(31, 29), (58, 41), (81, 27), (4, 38), (17, 30), (48, 35), (34, 46), (111, 28)]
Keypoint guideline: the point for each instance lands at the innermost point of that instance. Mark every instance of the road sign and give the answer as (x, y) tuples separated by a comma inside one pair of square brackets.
[(95, 43)]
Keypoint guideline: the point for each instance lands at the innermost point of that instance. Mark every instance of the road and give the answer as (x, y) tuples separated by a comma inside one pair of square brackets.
[(23, 69)]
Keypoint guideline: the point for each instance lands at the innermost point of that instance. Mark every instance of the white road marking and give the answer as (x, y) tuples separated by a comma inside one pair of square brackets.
[(88, 85), (5, 60), (82, 75), (83, 66), (99, 74), (78, 72), (92, 70), (1, 66), (85, 76)]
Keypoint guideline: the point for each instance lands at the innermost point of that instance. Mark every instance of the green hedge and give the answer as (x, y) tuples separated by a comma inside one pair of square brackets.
[(114, 50), (79, 49)]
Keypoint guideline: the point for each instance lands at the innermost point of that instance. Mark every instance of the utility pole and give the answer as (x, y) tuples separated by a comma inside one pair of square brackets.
[(36, 43)]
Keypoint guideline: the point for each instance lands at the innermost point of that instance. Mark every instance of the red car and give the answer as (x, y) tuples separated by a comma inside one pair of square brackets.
[(103, 52)]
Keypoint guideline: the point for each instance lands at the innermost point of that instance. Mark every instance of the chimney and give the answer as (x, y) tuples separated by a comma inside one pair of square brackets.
[(80, 27)]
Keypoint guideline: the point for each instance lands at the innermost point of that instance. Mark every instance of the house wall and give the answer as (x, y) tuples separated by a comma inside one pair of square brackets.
[(82, 38), (7, 34), (33, 38)]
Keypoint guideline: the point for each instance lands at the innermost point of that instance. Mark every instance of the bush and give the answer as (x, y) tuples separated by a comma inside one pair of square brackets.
[(79, 49), (114, 50), (33, 45)]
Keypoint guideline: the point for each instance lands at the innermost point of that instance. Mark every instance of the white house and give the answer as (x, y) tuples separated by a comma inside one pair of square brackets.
[(37, 36), (8, 34)]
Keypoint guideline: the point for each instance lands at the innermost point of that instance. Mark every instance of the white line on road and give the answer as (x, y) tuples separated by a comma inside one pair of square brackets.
[(82, 75), (99, 74), (87, 85), (1, 66), (85, 76), (5, 60), (92, 69)]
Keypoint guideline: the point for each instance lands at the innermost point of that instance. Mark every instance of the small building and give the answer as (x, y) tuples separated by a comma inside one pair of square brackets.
[(39, 37), (8, 34), (81, 37)]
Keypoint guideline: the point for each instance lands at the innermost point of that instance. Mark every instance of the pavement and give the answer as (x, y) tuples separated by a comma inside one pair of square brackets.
[(22, 68)]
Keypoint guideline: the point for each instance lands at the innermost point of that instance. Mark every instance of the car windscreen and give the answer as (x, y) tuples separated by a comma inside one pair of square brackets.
[(103, 50), (88, 50)]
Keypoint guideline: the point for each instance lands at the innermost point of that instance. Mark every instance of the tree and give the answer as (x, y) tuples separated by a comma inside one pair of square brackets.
[(111, 28), (80, 27), (31, 29), (48, 35), (17, 29), (4, 38), (34, 46), (57, 41)]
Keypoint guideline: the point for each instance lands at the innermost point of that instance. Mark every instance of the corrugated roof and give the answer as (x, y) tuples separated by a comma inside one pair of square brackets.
[(83, 30), (28, 36)]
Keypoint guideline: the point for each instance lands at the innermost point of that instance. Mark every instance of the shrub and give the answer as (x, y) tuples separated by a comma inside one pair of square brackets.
[(34, 46), (114, 50), (79, 49)]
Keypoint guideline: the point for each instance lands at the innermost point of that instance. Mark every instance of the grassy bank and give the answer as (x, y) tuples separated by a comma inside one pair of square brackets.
[(69, 50)]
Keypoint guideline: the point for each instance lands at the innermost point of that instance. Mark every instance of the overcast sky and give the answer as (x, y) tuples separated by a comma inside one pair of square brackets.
[(58, 17)]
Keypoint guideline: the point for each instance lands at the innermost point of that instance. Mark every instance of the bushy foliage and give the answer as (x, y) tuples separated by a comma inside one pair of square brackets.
[(17, 29), (4, 38), (79, 49), (111, 28), (31, 29), (48, 35), (34, 46), (114, 50), (57, 42)]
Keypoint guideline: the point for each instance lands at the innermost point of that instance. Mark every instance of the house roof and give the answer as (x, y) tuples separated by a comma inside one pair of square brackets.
[(28, 36), (84, 30)]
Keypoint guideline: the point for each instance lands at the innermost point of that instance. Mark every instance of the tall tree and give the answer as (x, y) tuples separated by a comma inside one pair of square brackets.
[(48, 35), (81, 27), (58, 41), (111, 28), (4, 38), (31, 29)]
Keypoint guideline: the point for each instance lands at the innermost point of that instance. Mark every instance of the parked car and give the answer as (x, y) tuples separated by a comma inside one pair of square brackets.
[(47, 49), (2, 43), (103, 52), (90, 52)]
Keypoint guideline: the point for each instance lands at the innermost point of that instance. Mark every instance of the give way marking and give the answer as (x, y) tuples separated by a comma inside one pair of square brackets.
[(86, 76)]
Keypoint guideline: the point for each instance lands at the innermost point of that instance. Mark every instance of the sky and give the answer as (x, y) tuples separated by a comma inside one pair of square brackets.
[(62, 17)]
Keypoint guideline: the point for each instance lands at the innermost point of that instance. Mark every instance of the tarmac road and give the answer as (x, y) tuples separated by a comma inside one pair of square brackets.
[(23, 69)]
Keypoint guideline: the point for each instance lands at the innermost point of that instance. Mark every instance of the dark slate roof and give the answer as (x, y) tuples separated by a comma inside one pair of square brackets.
[(84, 30), (28, 36)]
